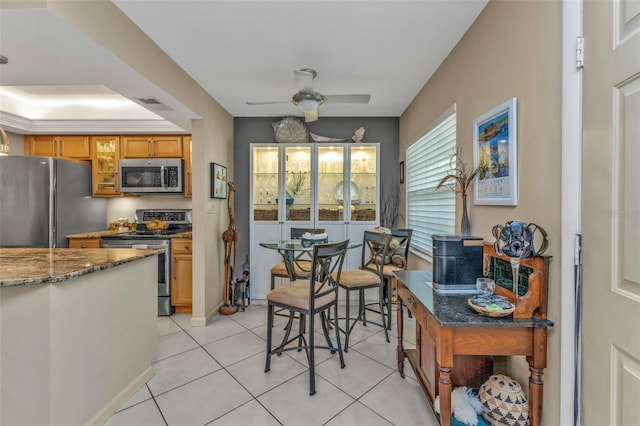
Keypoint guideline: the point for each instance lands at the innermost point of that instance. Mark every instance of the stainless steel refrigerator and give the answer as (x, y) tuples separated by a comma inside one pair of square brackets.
[(43, 199)]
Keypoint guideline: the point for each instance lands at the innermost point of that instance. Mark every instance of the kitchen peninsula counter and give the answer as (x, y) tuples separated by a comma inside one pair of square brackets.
[(79, 332), (29, 266), (95, 234)]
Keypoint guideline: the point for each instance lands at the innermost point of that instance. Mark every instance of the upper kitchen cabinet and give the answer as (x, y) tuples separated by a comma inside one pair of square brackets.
[(187, 149), (169, 146), (74, 147), (106, 153)]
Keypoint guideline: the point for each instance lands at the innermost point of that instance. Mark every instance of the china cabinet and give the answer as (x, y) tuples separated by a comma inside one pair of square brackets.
[(334, 187), (106, 153)]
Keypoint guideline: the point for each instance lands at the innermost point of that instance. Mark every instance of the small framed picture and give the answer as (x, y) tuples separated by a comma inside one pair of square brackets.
[(495, 154), (402, 172), (218, 181)]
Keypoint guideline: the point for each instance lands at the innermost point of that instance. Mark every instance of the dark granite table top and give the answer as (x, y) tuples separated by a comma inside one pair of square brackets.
[(452, 310), (29, 266)]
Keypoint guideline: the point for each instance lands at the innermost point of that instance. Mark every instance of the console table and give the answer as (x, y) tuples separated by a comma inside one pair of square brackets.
[(455, 345)]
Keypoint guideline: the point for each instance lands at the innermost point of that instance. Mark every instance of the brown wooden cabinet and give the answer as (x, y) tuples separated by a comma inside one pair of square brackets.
[(74, 147), (145, 146), (181, 274), (84, 242), (188, 160), (104, 166)]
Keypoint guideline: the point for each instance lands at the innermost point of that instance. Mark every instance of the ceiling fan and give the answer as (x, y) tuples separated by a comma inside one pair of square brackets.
[(308, 101)]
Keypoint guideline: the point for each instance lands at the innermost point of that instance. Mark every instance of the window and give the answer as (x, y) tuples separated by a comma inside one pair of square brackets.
[(431, 212)]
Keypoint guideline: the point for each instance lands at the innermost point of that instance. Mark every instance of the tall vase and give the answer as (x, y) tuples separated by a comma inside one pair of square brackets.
[(465, 226)]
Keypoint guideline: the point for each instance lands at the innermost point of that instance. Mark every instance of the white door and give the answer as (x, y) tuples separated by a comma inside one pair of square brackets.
[(611, 213)]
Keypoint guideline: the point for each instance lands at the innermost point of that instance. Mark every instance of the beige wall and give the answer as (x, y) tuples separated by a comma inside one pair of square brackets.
[(212, 132), (512, 50)]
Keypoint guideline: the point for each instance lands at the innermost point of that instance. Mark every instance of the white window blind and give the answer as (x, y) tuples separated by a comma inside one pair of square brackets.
[(431, 212)]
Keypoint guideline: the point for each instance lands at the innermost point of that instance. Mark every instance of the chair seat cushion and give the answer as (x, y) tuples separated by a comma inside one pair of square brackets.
[(355, 278), (280, 269), (296, 295), (389, 269)]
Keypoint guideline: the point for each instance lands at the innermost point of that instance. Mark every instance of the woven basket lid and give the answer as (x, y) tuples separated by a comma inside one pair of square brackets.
[(504, 402)]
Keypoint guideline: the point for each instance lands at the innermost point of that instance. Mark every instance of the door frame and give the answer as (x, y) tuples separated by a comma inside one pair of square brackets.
[(571, 213)]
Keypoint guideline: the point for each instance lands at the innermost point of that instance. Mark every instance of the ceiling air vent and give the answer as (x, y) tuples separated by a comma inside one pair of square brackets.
[(154, 104)]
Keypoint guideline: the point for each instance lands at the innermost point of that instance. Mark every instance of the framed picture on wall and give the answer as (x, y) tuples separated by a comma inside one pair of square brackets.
[(495, 153), (218, 181)]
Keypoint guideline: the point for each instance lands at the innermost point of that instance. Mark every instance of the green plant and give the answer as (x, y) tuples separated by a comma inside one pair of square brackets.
[(296, 183)]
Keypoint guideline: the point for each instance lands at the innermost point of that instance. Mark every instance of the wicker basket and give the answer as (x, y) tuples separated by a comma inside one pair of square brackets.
[(363, 215), (504, 402), (300, 214), (329, 214), (265, 214)]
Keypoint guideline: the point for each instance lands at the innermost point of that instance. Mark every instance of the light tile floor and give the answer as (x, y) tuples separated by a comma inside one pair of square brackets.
[(214, 375)]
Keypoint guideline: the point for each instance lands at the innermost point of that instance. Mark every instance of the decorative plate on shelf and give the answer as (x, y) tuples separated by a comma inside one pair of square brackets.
[(353, 190), (491, 306)]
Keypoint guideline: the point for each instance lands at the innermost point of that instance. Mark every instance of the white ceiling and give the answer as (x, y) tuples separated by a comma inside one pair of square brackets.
[(236, 50)]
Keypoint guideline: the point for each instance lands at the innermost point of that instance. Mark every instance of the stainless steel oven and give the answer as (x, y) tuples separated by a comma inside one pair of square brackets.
[(176, 221), (153, 175)]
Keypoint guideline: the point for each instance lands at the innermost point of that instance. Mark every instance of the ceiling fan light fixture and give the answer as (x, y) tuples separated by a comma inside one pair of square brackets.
[(307, 105)]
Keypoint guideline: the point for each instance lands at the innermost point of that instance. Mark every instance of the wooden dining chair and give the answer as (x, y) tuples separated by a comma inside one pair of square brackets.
[(316, 295), (369, 275)]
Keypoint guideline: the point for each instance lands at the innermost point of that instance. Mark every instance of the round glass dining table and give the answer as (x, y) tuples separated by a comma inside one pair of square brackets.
[(289, 248)]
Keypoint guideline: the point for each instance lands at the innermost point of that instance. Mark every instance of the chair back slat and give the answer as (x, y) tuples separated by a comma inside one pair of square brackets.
[(374, 249), (327, 264)]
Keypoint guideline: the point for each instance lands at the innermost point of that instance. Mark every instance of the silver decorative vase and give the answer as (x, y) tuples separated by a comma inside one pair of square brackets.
[(465, 225)]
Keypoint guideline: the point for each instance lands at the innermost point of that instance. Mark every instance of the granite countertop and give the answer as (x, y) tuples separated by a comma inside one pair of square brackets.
[(29, 266), (185, 235), (96, 234), (452, 310)]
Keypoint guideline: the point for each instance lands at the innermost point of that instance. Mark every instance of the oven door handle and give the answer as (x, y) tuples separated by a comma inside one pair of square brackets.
[(140, 246)]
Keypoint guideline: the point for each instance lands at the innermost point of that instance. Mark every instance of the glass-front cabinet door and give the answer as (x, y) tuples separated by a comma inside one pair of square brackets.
[(297, 184), (105, 165), (331, 186), (363, 188), (265, 182)]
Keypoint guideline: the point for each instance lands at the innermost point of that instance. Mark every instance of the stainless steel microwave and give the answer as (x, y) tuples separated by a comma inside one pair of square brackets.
[(152, 175)]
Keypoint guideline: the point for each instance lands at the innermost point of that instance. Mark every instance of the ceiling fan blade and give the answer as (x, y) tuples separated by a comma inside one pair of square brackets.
[(268, 102), (347, 99), (310, 116), (304, 80)]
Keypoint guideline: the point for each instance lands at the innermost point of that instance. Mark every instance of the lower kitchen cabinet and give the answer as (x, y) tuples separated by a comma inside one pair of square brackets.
[(181, 274), (84, 242)]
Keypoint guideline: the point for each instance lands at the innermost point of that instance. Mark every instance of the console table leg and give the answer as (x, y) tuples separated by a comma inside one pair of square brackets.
[(444, 391), (400, 348), (535, 395)]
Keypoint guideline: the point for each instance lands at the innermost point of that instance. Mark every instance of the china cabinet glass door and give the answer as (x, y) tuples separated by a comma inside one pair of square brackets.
[(331, 183), (364, 182), (297, 183), (265, 183)]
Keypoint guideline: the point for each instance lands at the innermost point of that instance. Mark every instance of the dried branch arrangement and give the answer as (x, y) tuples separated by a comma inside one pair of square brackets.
[(462, 175)]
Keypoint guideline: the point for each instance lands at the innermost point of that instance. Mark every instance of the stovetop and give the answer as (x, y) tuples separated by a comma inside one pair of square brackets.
[(178, 220)]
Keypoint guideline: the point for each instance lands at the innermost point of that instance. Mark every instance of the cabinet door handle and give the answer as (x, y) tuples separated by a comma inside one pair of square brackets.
[(187, 247)]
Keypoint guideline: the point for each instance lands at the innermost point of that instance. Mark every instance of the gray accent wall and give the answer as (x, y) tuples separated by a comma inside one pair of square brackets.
[(248, 130)]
